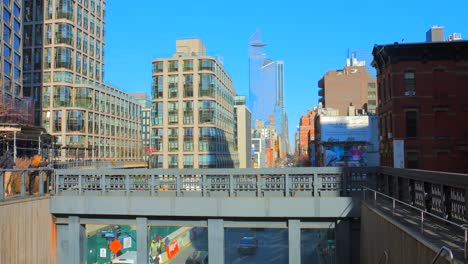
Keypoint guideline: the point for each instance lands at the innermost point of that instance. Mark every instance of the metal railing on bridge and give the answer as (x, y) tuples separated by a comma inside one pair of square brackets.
[(284, 182)]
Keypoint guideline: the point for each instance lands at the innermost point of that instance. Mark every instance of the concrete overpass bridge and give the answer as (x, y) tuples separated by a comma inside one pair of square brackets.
[(404, 215)]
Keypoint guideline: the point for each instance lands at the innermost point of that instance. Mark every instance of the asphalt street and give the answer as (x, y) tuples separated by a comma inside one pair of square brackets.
[(272, 246)]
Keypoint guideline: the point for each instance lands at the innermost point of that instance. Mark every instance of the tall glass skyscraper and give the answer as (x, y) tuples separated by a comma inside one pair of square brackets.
[(266, 91)]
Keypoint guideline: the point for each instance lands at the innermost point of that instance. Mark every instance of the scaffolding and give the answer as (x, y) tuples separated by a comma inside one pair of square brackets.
[(17, 130), (16, 110)]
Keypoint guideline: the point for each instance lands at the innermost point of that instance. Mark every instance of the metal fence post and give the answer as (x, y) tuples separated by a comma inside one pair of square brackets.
[(287, 185), (258, 182), (127, 184), (41, 182), (316, 184), (23, 184), (204, 184), (103, 183), (178, 185), (466, 240), (2, 186), (231, 185), (422, 222), (80, 185), (375, 197), (152, 183)]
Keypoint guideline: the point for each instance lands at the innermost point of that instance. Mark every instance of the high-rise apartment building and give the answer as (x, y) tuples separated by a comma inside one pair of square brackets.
[(12, 54), (266, 91), (242, 132), (424, 105), (193, 110), (63, 71), (350, 86)]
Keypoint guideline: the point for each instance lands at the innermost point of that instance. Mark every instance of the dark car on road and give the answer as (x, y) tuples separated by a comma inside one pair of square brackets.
[(197, 257), (248, 246)]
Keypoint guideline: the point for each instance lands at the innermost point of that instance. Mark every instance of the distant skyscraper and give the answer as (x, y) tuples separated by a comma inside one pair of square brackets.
[(266, 91)]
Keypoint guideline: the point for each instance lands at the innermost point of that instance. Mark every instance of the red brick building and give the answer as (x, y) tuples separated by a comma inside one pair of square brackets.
[(423, 100), (306, 132)]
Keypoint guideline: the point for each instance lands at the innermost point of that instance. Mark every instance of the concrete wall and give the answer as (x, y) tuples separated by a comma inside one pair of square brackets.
[(27, 233), (379, 235)]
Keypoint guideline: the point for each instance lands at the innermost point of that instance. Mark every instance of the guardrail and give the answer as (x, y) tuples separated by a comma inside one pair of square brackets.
[(21, 183), (87, 163), (424, 214), (284, 182)]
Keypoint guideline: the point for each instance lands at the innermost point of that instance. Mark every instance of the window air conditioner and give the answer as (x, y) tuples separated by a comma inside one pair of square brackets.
[(389, 135)]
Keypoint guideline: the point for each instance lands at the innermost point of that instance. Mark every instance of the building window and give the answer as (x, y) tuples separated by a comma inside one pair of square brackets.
[(173, 86), (173, 112), (188, 85), (411, 124), (75, 121), (157, 66), (57, 127), (188, 65), (173, 161), (207, 65), (410, 83), (173, 66), (157, 91), (412, 160), (371, 95), (188, 161), (371, 85), (441, 124), (207, 85)]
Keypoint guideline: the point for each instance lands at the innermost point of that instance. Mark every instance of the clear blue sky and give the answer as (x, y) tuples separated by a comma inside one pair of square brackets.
[(311, 37)]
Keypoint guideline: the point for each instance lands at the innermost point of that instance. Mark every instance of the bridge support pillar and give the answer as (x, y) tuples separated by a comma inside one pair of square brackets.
[(70, 242), (142, 239), (216, 240), (294, 234)]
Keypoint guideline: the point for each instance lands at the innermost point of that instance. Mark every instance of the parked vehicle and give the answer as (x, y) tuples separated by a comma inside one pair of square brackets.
[(248, 246), (198, 257)]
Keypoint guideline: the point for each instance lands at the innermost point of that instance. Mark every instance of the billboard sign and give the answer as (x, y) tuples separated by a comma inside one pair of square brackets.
[(345, 128)]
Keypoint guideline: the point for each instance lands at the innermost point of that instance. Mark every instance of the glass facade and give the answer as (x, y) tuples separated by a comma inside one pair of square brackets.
[(64, 66), (195, 109)]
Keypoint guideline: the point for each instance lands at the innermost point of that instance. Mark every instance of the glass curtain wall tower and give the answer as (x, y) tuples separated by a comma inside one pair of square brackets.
[(63, 72), (266, 91)]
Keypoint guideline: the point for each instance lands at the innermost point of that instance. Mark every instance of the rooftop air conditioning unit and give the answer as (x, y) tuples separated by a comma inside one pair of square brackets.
[(410, 93)]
